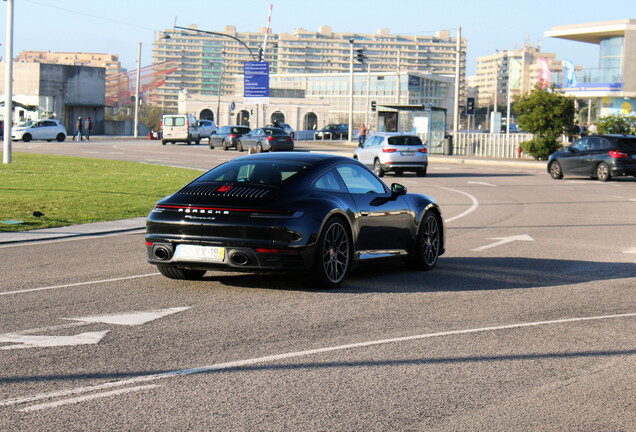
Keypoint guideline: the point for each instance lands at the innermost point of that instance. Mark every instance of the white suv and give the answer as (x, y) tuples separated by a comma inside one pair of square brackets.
[(39, 130), (393, 152)]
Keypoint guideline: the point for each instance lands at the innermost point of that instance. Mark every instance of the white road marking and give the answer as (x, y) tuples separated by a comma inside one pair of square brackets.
[(633, 199), (27, 341), (77, 284), (503, 240), (130, 318), (87, 398), (441, 168), (470, 210), (630, 251), (272, 358), (482, 183)]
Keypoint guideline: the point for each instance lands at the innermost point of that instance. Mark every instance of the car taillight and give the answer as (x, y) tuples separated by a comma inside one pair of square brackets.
[(161, 124), (388, 150), (270, 138), (423, 150), (232, 136), (618, 154), (149, 243)]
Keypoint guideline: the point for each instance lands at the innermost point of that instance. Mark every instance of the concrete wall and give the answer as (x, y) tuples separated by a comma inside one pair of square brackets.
[(629, 69)]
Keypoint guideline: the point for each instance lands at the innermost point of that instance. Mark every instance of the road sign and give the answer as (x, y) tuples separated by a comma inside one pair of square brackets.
[(256, 82)]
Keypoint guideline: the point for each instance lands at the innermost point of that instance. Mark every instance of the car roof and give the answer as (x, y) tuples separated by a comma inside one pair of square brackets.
[(390, 134), (304, 157)]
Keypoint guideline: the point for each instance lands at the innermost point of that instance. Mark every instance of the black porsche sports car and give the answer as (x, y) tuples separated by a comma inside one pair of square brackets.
[(289, 211)]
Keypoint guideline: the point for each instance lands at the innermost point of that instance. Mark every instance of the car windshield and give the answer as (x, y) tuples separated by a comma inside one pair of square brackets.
[(272, 173), (404, 140)]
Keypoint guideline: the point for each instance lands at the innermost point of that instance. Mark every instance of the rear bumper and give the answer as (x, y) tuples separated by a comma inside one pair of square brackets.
[(620, 168), (392, 166)]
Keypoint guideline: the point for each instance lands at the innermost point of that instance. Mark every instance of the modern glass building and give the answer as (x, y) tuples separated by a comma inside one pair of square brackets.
[(613, 83)]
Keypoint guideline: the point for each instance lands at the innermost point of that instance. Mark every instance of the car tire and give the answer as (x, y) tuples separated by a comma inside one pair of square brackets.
[(555, 170), (239, 146), (377, 168), (421, 172), (428, 243), (60, 137), (179, 273), (163, 142), (224, 144), (26, 137), (603, 172), (333, 254), (210, 144), (259, 148)]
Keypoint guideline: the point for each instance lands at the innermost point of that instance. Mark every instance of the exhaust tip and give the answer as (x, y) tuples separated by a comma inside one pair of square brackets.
[(239, 258), (161, 253)]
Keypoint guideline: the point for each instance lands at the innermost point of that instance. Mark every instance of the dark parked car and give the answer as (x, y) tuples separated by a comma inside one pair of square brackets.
[(266, 139), (596, 156), (308, 212), (333, 131), (228, 136)]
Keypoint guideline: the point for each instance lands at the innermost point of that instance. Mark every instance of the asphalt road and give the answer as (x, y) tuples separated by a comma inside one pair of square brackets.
[(527, 323)]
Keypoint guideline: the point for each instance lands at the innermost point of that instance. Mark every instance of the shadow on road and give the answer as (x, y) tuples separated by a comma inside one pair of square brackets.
[(451, 274)]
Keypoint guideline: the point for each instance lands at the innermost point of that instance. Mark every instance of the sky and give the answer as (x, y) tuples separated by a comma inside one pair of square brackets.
[(117, 26)]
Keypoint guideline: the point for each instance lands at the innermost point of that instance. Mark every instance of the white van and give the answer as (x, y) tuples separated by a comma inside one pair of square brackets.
[(179, 128)]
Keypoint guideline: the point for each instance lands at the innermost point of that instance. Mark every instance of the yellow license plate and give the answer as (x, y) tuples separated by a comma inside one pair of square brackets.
[(199, 253)]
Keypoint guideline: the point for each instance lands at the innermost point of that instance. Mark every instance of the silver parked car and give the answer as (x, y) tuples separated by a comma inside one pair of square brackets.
[(207, 128), (393, 152)]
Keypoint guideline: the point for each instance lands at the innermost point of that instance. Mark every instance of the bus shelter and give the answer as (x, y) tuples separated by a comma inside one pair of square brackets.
[(428, 122)]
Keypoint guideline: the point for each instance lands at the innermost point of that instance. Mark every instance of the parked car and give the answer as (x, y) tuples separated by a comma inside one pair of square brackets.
[(207, 128), (179, 128), (266, 139), (286, 127), (393, 152), (597, 156), (308, 212), (39, 130), (333, 131), (228, 136)]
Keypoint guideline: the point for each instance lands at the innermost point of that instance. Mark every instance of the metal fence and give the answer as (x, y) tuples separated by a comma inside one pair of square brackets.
[(489, 145)]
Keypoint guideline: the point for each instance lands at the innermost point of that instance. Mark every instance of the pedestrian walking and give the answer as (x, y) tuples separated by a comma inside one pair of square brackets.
[(88, 128), (362, 134), (78, 129)]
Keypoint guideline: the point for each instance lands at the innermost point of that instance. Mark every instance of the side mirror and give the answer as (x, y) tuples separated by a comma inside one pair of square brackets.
[(398, 190)]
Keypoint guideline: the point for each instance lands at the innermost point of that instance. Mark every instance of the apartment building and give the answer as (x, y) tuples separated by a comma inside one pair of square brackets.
[(109, 62), (490, 83), (207, 63)]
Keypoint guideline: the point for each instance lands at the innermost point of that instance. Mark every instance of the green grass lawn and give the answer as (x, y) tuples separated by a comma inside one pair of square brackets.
[(72, 190)]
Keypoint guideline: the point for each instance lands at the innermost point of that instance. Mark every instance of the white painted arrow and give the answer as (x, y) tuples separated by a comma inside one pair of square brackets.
[(26, 338), (130, 318), (504, 240), (27, 341)]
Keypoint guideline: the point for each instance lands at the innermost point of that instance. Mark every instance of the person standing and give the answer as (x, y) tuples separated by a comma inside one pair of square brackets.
[(592, 130), (78, 129), (362, 133), (88, 128)]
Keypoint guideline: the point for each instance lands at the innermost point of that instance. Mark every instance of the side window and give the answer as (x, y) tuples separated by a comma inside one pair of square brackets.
[(179, 121), (594, 143), (168, 121), (605, 144), (329, 182), (360, 181), (580, 145)]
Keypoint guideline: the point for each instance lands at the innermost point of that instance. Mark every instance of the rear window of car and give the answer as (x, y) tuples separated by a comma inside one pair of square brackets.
[(174, 121), (404, 140), (627, 144), (271, 173), (240, 130)]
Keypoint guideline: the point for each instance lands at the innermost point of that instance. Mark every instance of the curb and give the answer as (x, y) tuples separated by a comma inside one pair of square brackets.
[(91, 229)]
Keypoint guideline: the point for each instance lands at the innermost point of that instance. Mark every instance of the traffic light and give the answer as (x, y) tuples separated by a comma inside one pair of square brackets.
[(360, 55), (374, 106), (470, 106)]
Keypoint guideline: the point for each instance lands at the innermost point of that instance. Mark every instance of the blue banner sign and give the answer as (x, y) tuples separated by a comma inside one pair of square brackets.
[(256, 82)]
